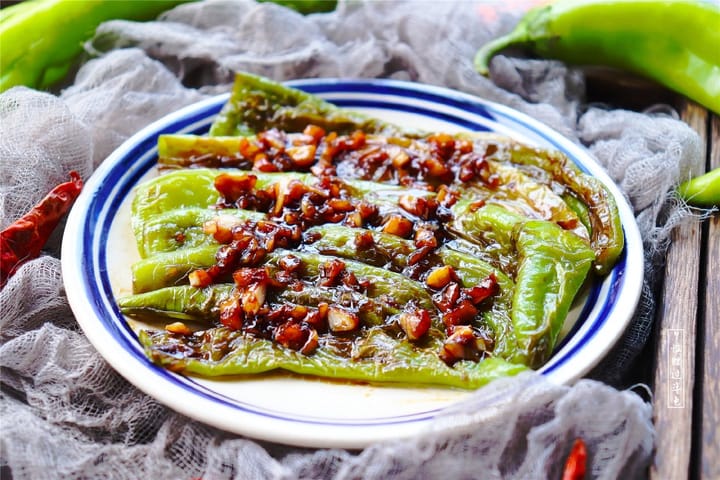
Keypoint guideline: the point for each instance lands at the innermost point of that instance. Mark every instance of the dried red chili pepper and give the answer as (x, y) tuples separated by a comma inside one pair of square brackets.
[(576, 463), (24, 239)]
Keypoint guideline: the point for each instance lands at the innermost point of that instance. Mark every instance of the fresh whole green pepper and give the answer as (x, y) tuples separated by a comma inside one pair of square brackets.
[(674, 42), (42, 39), (702, 191)]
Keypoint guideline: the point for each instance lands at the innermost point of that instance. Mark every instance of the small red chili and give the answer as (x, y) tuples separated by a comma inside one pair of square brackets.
[(24, 239), (576, 462)]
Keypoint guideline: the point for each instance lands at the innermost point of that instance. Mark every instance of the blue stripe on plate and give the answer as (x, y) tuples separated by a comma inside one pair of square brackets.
[(391, 88), (398, 106)]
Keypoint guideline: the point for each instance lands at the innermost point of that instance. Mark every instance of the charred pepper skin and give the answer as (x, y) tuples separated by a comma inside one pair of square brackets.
[(257, 104), (646, 37), (380, 358)]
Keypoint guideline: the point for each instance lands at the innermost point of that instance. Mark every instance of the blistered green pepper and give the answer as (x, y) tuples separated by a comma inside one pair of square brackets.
[(383, 282), (184, 228), (376, 357), (185, 302), (606, 236), (168, 269), (257, 104), (552, 265), (387, 250), (182, 302)]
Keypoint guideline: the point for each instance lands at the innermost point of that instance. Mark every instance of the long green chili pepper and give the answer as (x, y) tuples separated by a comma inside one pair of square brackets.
[(170, 268), (372, 311), (384, 283), (183, 228), (702, 191), (533, 198), (674, 42), (182, 302), (552, 266), (607, 237), (257, 104), (42, 39), (192, 189), (387, 250), (176, 150), (185, 302), (472, 271), (378, 357)]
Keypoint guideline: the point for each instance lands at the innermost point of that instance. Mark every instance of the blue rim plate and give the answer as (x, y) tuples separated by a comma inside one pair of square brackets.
[(97, 251)]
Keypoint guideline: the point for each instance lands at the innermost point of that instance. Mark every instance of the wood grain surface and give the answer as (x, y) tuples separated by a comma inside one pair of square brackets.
[(708, 396), (675, 337)]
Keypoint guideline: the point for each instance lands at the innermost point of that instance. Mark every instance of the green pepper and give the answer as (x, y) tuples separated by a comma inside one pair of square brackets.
[(185, 302), (375, 357), (674, 42), (472, 270), (388, 250), (42, 39), (606, 236), (257, 104), (183, 228), (170, 268), (528, 196), (552, 265), (176, 150), (181, 302), (702, 191), (173, 268), (393, 285), (193, 188)]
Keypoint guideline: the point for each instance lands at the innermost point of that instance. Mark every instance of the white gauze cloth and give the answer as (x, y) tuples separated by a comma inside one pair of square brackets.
[(66, 414)]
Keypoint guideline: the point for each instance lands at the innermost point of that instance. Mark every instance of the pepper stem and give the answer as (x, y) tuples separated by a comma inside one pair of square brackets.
[(487, 51)]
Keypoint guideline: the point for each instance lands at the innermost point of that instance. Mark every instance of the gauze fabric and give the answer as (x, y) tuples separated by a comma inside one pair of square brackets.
[(66, 414)]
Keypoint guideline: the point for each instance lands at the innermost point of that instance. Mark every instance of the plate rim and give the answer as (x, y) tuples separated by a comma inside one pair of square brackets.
[(117, 356)]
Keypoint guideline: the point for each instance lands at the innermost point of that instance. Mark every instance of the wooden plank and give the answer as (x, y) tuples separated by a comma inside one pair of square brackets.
[(674, 374), (709, 438)]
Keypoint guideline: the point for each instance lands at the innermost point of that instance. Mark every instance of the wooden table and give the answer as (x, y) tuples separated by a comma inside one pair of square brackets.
[(685, 348)]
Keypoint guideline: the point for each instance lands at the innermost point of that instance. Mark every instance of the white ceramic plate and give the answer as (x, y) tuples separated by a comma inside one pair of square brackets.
[(98, 250)]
